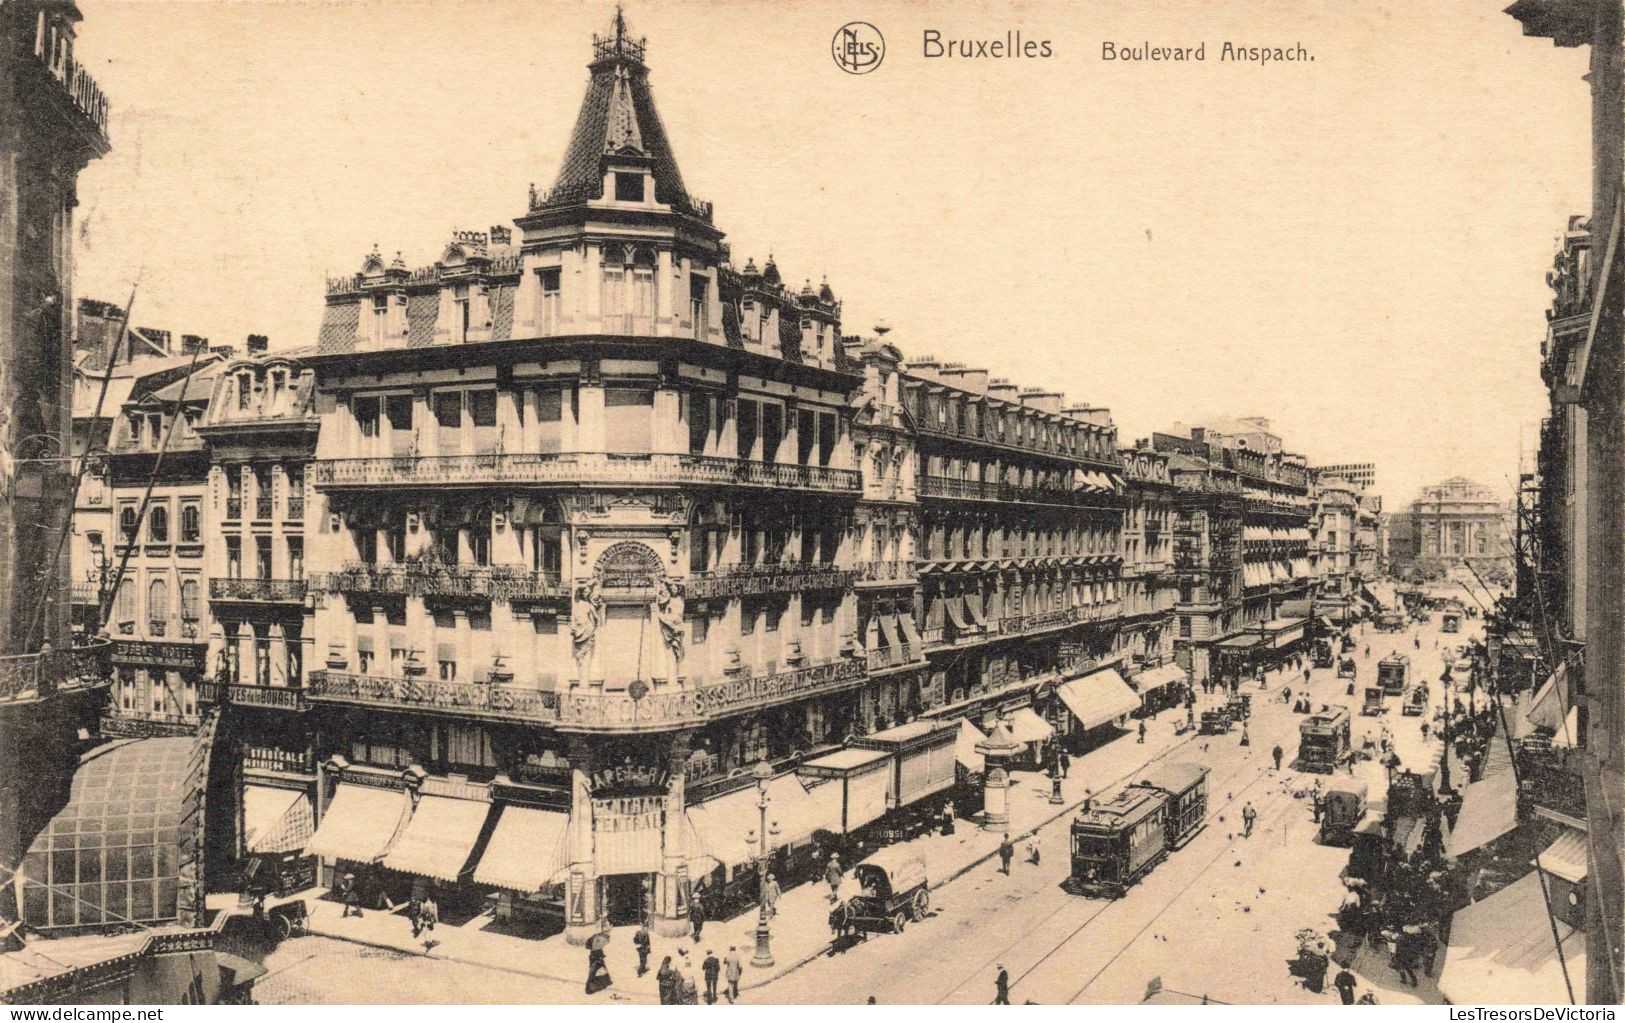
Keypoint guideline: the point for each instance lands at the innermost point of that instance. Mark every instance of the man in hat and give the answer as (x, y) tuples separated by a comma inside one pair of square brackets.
[(696, 916), (770, 896), (1001, 987), (1344, 983), (1007, 852), (732, 970), (712, 968), (832, 876), (351, 893), (642, 943), (1277, 753), (1248, 816)]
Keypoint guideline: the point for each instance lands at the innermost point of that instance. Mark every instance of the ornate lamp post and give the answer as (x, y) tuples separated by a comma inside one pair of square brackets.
[(763, 773)]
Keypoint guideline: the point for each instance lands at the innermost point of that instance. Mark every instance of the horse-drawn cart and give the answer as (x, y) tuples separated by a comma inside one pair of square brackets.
[(892, 891)]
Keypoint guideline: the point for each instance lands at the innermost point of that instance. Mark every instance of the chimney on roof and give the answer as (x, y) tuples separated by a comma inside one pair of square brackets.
[(160, 338), (501, 235), (1042, 400), (1003, 389), (193, 343), (258, 344), (926, 367), (970, 378)]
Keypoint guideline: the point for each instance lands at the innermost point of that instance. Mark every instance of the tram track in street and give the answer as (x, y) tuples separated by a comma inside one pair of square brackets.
[(1235, 794)]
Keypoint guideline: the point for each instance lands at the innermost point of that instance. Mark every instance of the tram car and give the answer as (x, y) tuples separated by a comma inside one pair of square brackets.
[(1394, 673), (1119, 841), (1346, 668), (1452, 620), (1323, 740), (1416, 700)]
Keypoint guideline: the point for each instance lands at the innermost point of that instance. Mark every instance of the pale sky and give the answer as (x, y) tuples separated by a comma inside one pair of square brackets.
[(1354, 247)]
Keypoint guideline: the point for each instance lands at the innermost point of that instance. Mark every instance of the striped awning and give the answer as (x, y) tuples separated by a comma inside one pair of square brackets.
[(276, 820), (439, 838), (361, 823), (1566, 857), (528, 850)]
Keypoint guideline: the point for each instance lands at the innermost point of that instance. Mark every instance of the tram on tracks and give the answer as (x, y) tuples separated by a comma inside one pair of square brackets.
[(1119, 841)]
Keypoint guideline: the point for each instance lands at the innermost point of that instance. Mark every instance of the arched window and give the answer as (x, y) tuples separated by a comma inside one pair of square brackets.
[(189, 600), (126, 522), (191, 524), (157, 605), (158, 524), (126, 601)]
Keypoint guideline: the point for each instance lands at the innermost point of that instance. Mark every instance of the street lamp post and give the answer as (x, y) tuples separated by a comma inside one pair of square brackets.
[(763, 959)]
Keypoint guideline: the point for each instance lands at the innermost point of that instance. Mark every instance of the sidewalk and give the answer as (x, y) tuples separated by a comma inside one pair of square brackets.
[(800, 931)]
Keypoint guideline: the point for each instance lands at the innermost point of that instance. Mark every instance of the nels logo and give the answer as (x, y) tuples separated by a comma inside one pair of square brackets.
[(858, 48)]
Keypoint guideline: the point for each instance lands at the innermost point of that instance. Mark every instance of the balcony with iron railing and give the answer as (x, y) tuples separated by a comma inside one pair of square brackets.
[(752, 580), (275, 591), (946, 487), (569, 469), (491, 582), (652, 706), (883, 572), (264, 508), (242, 695), (975, 431), (234, 508), (25, 677)]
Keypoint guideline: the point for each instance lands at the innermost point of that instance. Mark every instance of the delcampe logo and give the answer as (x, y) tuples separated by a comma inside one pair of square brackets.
[(858, 48)]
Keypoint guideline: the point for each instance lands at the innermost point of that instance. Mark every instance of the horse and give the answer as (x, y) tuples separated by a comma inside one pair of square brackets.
[(842, 921)]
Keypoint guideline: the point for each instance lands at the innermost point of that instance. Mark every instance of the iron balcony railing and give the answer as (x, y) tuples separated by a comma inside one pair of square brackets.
[(577, 468), (238, 694), (267, 590), (984, 490), (658, 704), (751, 580), (234, 507), (31, 676), (264, 508), (493, 582), (887, 572)]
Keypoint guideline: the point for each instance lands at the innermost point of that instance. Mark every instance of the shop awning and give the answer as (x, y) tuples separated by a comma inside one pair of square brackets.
[(973, 604), (965, 747), (1254, 533), (1027, 726), (1551, 704), (956, 614), (276, 820), (1300, 567), (1566, 857), (1489, 806), (1501, 951), (528, 850), (888, 629), (1240, 641), (1098, 698), (1157, 678), (439, 838), (911, 635), (361, 823), (724, 825)]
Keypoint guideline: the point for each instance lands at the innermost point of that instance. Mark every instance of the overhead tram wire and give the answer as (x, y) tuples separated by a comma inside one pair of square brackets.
[(84, 459)]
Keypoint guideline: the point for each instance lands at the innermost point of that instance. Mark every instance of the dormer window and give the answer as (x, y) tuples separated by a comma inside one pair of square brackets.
[(551, 307), (461, 314), (245, 391), (628, 187), (380, 317)]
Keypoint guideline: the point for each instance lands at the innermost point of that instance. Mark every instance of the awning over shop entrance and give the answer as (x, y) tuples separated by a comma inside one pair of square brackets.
[(1157, 678), (1565, 858), (1551, 705), (1489, 806), (725, 824), (849, 786), (439, 838), (1240, 641), (528, 850), (276, 820), (1501, 951), (965, 747), (1098, 698), (1284, 632), (1027, 726), (361, 823)]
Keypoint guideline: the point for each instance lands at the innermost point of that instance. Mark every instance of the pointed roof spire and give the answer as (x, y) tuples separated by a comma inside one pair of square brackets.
[(617, 114)]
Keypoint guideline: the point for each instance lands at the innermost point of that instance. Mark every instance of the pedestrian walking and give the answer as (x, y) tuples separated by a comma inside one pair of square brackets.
[(1424, 731), (642, 943), (1033, 855), (696, 917), (1066, 763), (431, 912), (1277, 753), (712, 968), (1142, 733), (597, 972), (414, 913), (1007, 852), (832, 877), (1344, 983), (1405, 954), (770, 896), (1001, 987), (666, 980), (687, 992), (732, 970), (947, 819), (1248, 816), (351, 893)]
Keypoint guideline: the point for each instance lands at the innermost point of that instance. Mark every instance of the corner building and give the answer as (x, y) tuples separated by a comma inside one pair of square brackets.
[(583, 504)]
